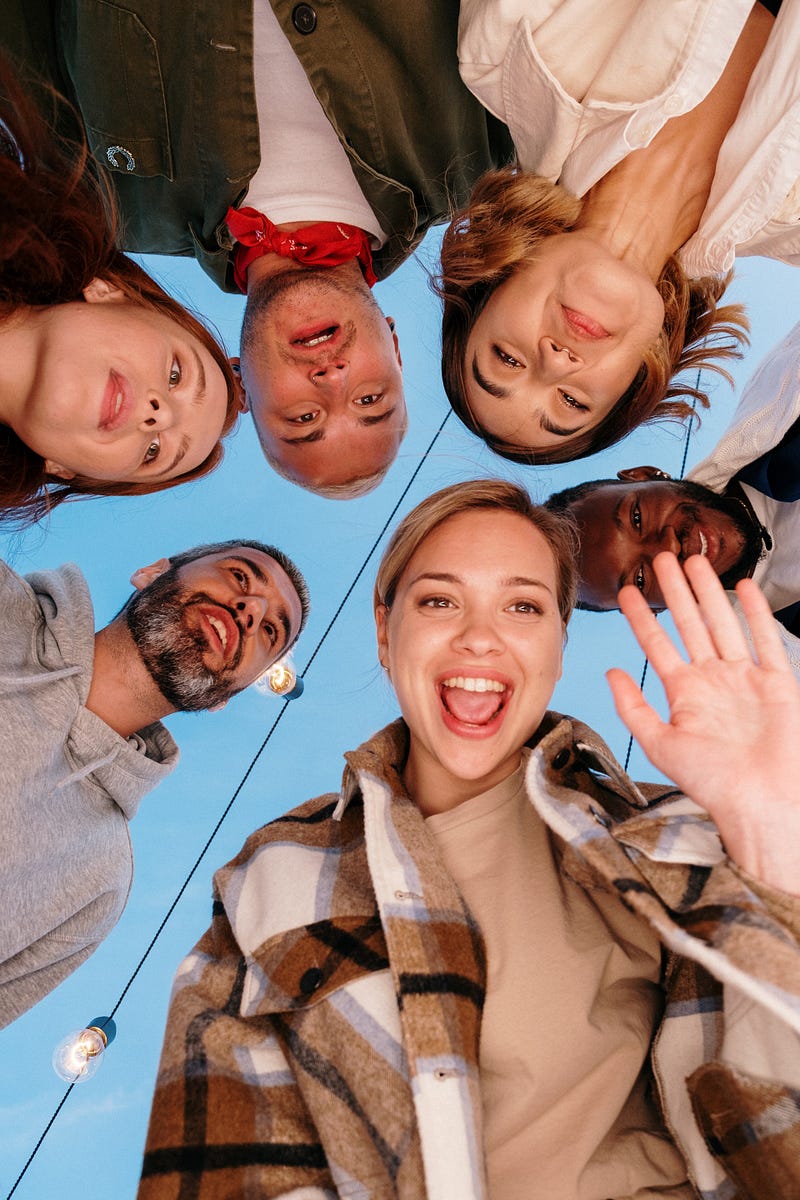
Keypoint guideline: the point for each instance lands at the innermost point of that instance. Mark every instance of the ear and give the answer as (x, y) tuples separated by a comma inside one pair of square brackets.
[(145, 575), (382, 632), (217, 707), (642, 474), (100, 291), (390, 321), (56, 471), (244, 403)]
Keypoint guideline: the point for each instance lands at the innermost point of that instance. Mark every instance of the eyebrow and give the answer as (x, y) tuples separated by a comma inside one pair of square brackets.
[(318, 436), (201, 376), (620, 524), (378, 417), (510, 581), (502, 393), (262, 576), (182, 451), (493, 389)]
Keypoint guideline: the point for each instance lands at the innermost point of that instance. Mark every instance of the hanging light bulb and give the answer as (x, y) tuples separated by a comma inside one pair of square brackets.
[(78, 1056), (281, 680)]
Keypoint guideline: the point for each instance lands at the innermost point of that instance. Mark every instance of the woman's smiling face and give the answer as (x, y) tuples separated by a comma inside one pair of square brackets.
[(473, 645), (558, 344), (120, 393)]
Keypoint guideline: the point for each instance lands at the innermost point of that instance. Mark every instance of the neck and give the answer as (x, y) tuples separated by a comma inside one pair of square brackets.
[(276, 264), (652, 201), (122, 691), (434, 790), (644, 209)]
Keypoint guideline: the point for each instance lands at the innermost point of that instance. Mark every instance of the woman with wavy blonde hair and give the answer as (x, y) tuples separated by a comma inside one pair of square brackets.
[(570, 307), (108, 386)]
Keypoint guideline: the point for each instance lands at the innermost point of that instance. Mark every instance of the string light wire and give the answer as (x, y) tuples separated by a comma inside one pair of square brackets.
[(242, 782)]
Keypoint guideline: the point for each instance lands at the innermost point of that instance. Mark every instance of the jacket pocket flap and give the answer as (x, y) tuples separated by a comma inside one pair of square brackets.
[(302, 966)]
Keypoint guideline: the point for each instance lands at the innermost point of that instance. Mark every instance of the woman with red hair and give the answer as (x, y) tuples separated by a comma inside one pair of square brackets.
[(108, 386)]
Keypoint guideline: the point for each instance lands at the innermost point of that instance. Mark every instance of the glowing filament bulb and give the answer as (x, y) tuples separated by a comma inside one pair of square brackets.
[(282, 679), (78, 1056)]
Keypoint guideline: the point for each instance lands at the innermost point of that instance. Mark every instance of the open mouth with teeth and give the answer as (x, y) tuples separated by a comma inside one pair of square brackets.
[(312, 339), (473, 705), (222, 634)]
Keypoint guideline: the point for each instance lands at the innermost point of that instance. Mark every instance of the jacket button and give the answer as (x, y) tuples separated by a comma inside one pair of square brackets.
[(310, 981), (561, 759), (304, 18)]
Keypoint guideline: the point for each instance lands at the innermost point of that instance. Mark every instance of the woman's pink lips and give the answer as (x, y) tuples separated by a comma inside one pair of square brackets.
[(585, 326), (117, 403)]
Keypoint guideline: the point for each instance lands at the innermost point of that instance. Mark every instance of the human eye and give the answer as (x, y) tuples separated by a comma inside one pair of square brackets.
[(368, 400), (271, 632), (152, 452), (435, 602), (527, 607), (571, 402), (508, 360), (304, 418), (636, 516), (175, 372), (241, 577), (639, 580)]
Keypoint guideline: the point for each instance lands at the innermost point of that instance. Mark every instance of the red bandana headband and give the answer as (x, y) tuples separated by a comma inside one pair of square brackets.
[(324, 244)]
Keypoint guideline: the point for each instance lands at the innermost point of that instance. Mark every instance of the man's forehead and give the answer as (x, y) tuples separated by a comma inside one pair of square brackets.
[(265, 568)]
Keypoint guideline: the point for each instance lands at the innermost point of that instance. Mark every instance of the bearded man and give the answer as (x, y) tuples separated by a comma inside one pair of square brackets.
[(82, 741)]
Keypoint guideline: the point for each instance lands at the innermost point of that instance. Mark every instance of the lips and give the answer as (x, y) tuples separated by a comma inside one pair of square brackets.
[(117, 403), (314, 337), (221, 631), (473, 706), (584, 326)]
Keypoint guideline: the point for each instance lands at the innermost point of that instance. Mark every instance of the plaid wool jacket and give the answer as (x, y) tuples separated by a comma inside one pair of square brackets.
[(323, 1036)]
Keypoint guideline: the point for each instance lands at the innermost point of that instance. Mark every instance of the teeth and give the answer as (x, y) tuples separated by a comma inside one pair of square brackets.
[(216, 624), (318, 339), (117, 403), (470, 684), (703, 543)]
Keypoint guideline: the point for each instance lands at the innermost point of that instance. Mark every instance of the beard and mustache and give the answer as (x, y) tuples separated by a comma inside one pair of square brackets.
[(694, 494), (173, 653)]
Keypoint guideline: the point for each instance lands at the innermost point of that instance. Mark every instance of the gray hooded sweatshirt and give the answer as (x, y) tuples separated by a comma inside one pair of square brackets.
[(69, 784)]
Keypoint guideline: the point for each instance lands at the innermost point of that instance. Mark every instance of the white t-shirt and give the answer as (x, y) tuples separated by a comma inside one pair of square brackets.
[(304, 173)]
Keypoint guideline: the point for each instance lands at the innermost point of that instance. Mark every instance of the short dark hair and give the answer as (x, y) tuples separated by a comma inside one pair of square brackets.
[(284, 562), (562, 502)]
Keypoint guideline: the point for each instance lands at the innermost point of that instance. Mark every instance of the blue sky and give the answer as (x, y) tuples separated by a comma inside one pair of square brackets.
[(94, 1149)]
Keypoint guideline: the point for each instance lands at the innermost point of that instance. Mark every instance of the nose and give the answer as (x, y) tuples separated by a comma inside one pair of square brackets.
[(665, 539), (478, 634), (333, 374), (251, 611), (558, 361), (157, 414)]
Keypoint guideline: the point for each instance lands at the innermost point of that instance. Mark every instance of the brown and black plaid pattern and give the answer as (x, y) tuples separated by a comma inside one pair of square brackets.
[(323, 1036)]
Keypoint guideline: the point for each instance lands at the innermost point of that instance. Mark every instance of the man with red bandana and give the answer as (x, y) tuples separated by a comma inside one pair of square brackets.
[(297, 150), (739, 507), (81, 738)]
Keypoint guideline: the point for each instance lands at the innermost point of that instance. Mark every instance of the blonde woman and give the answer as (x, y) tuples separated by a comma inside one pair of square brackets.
[(491, 965), (655, 143)]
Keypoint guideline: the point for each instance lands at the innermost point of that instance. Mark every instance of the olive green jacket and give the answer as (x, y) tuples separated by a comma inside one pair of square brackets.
[(166, 94)]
